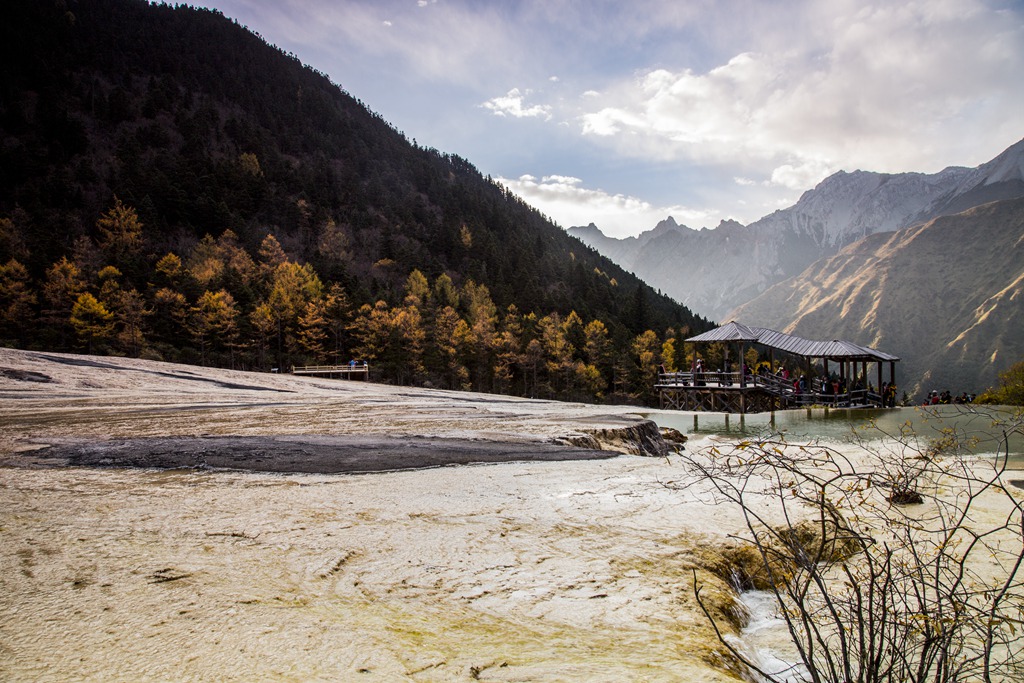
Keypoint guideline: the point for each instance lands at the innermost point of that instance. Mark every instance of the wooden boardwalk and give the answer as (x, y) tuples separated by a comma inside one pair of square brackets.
[(347, 370)]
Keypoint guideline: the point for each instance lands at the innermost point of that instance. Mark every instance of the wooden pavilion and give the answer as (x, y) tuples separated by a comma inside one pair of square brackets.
[(846, 383)]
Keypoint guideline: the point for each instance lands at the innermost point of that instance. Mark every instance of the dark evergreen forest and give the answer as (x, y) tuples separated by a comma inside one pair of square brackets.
[(173, 187)]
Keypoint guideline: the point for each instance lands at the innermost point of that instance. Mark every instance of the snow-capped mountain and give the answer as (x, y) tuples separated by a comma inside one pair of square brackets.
[(715, 271)]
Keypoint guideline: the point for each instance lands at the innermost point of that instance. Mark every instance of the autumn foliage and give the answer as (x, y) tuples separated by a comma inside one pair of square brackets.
[(216, 304)]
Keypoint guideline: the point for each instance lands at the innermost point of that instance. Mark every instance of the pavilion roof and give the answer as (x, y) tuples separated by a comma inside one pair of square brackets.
[(836, 349), (731, 331)]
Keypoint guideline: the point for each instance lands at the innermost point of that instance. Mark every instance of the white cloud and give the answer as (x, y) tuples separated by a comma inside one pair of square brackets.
[(565, 200), (740, 105), (512, 104), (800, 177), (881, 87)]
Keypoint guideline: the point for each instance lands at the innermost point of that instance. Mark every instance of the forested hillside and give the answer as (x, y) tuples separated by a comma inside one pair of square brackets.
[(173, 187)]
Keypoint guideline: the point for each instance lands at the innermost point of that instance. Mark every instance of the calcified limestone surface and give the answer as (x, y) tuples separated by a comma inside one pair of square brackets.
[(513, 571)]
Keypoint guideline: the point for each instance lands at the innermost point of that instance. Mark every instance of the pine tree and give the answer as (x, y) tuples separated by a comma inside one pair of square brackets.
[(270, 256), (644, 371), (120, 233), (668, 355), (507, 351), (170, 270), (205, 264), (63, 284), (417, 290), (450, 339), (410, 337), (482, 317), (292, 287), (213, 322), (338, 314), (312, 331), (391, 339), (130, 312), (17, 300), (445, 293), (93, 323), (264, 326), (558, 353), (169, 314)]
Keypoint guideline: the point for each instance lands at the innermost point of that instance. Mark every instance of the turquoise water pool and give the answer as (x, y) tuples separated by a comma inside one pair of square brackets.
[(976, 423)]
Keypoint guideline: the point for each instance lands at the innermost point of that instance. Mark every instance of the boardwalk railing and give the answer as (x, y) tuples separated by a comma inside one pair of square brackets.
[(344, 369), (819, 392)]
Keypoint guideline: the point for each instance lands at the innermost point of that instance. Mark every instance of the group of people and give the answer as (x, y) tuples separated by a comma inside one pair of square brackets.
[(834, 386), (934, 398)]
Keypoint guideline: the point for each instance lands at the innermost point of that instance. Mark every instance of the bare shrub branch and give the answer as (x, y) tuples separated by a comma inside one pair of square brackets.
[(892, 559)]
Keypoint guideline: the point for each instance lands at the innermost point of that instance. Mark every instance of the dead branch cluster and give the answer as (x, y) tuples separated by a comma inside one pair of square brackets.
[(890, 559)]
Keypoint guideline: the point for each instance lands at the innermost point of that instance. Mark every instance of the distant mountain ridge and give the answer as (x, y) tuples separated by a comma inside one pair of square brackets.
[(715, 271), (946, 296)]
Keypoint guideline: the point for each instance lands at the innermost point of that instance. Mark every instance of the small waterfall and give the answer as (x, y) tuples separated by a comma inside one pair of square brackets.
[(766, 640)]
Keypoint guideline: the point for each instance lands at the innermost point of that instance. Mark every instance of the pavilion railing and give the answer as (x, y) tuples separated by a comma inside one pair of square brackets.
[(817, 393)]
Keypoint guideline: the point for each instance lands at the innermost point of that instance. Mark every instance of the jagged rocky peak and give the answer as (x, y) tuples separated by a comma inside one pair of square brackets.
[(666, 225), (589, 229), (729, 227), (1007, 167)]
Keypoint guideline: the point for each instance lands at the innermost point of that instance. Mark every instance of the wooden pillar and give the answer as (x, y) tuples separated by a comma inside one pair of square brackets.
[(844, 380), (743, 361)]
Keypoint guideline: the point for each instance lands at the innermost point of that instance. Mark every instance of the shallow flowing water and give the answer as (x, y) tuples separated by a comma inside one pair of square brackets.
[(766, 638)]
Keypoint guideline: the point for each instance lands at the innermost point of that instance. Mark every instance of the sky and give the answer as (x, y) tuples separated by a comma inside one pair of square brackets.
[(622, 114)]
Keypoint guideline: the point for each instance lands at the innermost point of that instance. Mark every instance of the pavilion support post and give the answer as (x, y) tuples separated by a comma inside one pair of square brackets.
[(742, 363), (842, 377)]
